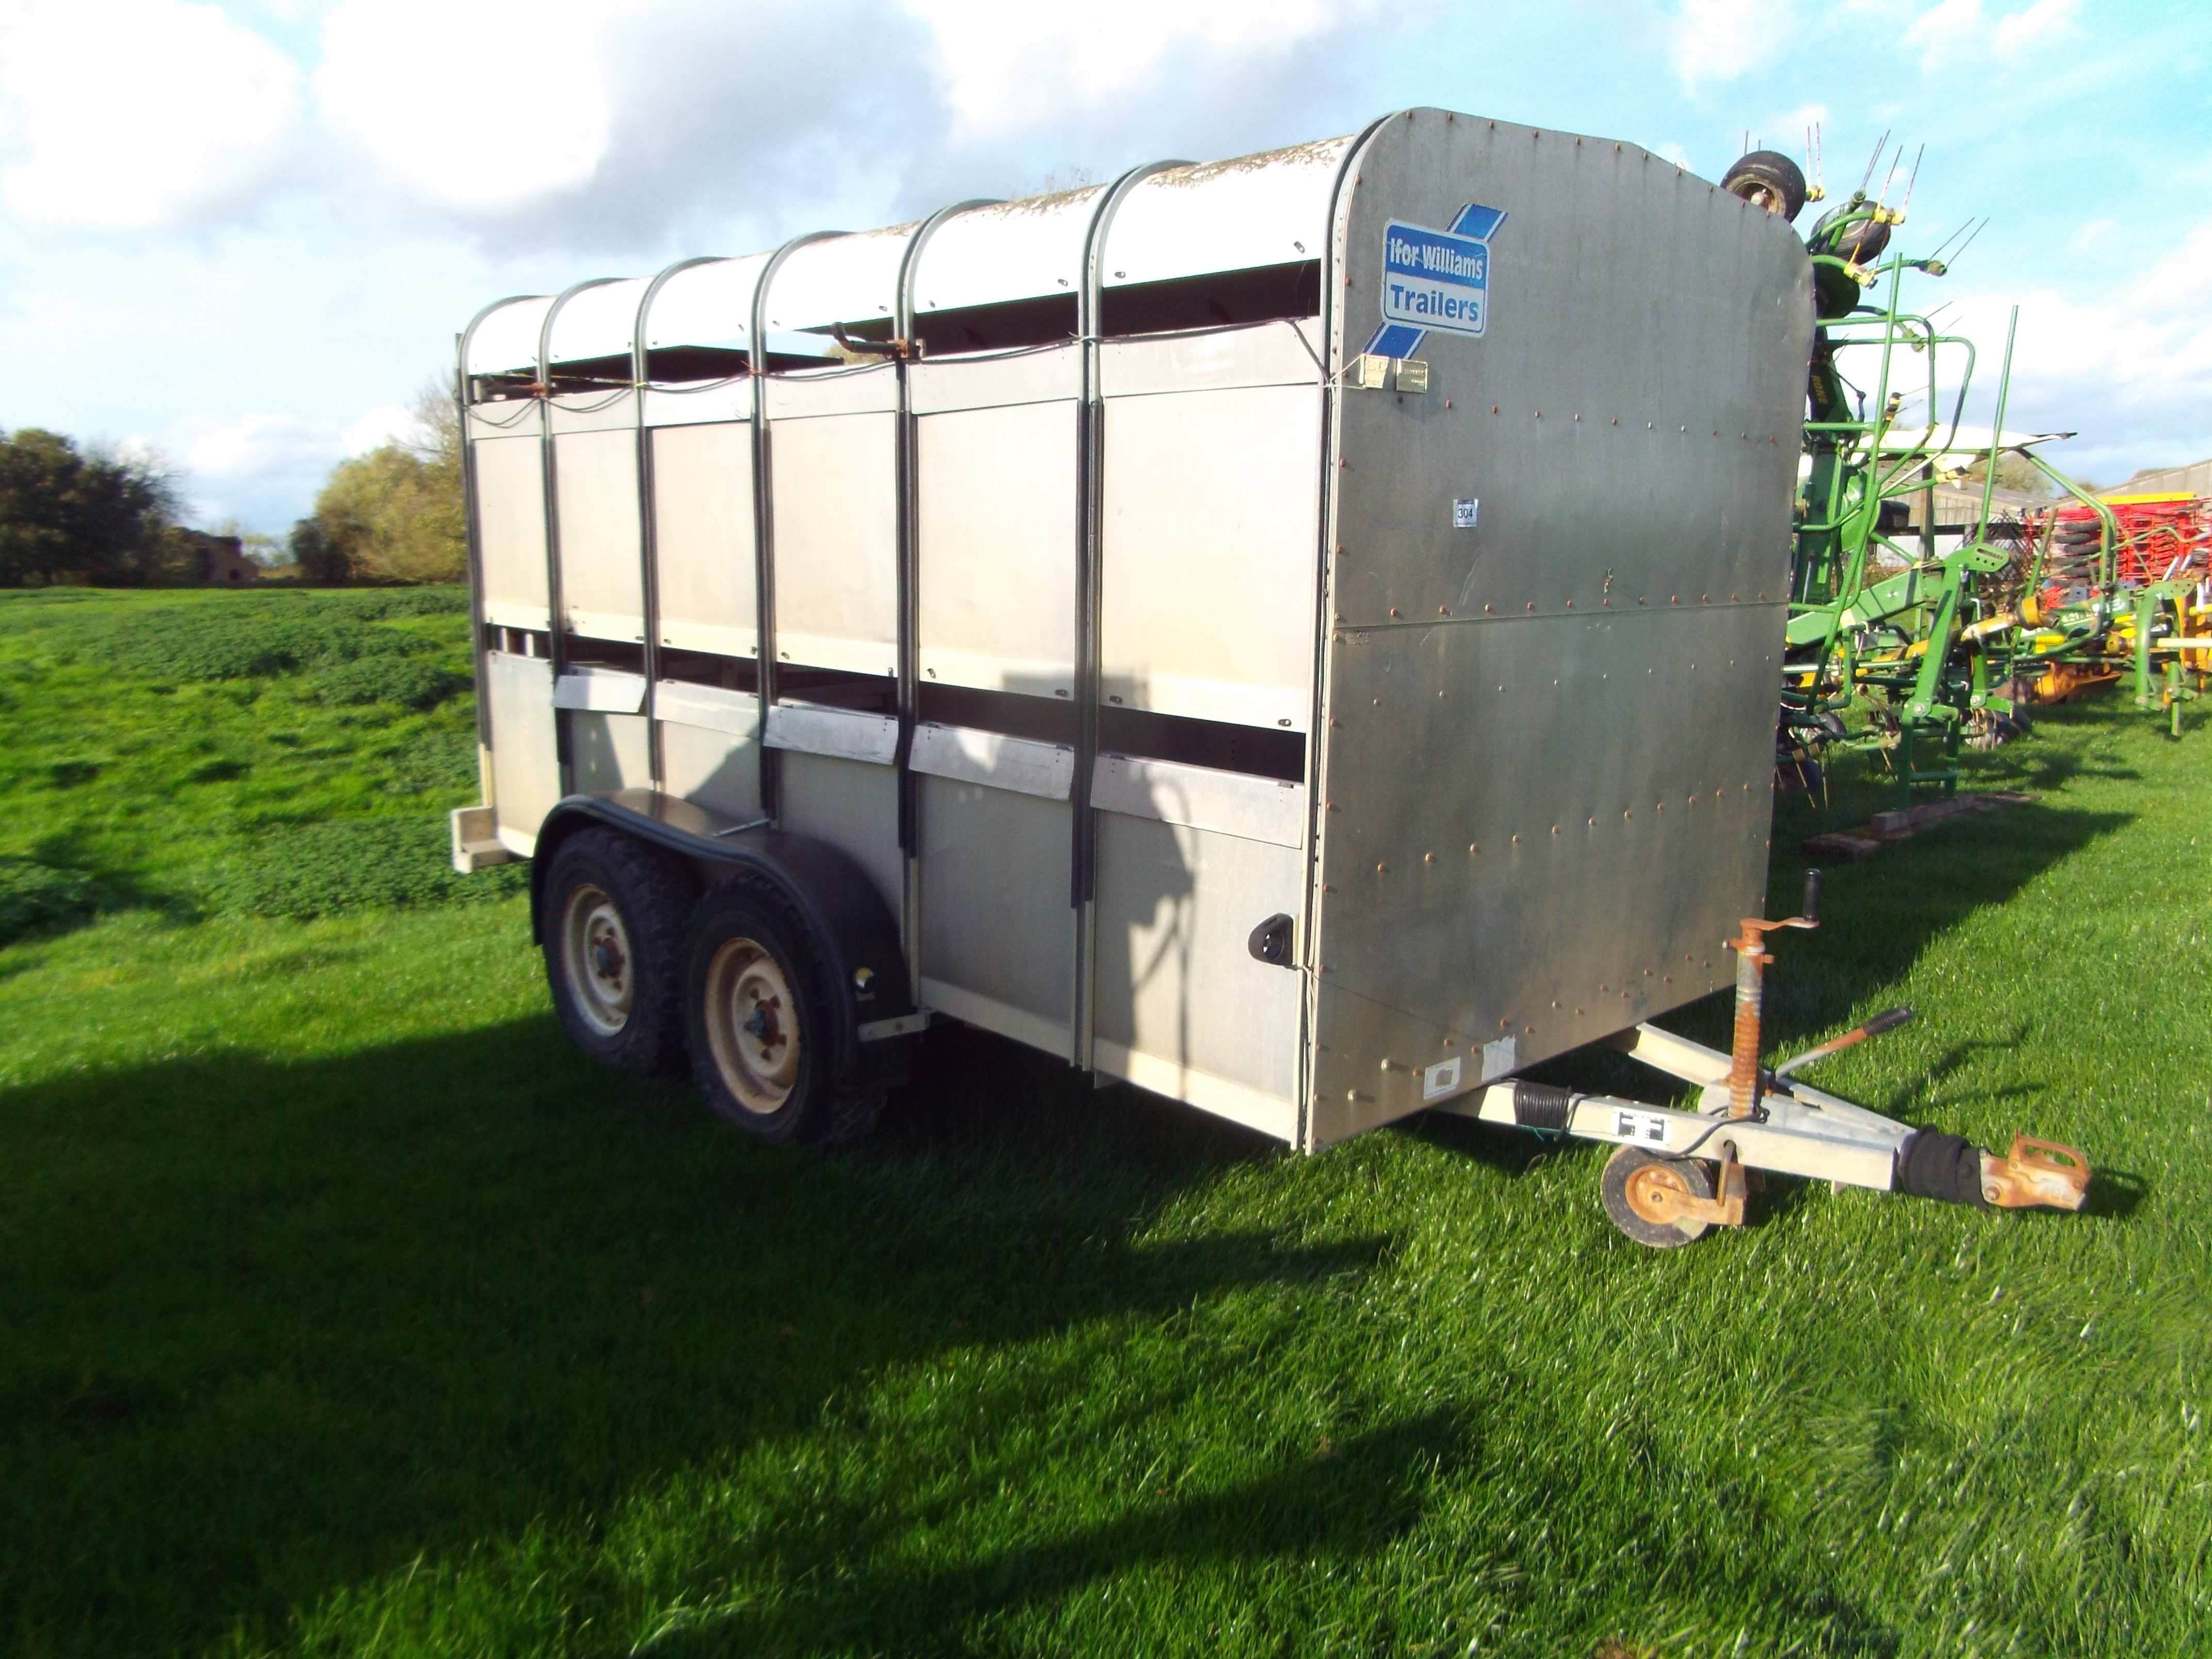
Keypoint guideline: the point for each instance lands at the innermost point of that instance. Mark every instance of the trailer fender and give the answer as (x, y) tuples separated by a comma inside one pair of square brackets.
[(876, 1019)]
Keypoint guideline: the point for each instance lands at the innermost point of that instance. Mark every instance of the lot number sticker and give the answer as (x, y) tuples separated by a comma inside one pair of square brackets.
[(1649, 1129)]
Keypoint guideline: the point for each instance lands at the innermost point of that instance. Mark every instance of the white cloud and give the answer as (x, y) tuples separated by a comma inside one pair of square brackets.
[(1961, 31), (1710, 40), (132, 115), (2131, 373), (1005, 68), (384, 424), (263, 466), (2096, 231), (478, 106), (228, 448)]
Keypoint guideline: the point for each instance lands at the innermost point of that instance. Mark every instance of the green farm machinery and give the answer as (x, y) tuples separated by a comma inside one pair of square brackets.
[(1936, 635)]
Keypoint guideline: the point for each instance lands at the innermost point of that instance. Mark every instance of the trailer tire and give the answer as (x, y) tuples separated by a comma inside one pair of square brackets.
[(1624, 1188), (614, 950), (761, 1022), (1770, 180)]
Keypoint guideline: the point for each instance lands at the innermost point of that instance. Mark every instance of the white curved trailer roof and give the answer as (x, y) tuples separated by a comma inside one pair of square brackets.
[(1172, 220), (1269, 209), (1005, 251)]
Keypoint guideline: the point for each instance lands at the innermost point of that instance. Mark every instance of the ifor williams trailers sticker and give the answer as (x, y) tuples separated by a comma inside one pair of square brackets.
[(1435, 279)]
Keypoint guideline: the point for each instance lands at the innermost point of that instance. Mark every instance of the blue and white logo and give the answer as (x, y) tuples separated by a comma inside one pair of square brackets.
[(1435, 279)]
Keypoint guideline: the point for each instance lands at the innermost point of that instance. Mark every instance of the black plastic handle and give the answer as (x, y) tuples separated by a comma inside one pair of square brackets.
[(1888, 1021), (1811, 909)]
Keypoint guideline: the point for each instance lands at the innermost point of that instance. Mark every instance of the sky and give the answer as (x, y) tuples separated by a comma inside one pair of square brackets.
[(243, 235)]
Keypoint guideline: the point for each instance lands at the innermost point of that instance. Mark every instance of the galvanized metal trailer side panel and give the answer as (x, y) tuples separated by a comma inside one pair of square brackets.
[(1547, 758)]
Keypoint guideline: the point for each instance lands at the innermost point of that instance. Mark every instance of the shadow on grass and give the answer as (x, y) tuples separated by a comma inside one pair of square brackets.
[(277, 1329), (1340, 1503), (1878, 916)]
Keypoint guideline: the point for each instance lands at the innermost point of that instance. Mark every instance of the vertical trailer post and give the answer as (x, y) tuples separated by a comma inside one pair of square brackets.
[(764, 511), (556, 646), (1089, 428), (648, 512), (479, 649)]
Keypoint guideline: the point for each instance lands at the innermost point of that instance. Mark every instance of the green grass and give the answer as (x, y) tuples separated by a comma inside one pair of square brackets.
[(283, 753), (348, 1311)]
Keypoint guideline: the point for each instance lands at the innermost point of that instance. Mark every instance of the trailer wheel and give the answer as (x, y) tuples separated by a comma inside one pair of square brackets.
[(761, 1019), (1768, 178), (1641, 1193), (613, 937)]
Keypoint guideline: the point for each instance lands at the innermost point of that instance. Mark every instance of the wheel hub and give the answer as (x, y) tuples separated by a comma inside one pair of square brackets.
[(1658, 1193), (597, 960), (752, 1025)]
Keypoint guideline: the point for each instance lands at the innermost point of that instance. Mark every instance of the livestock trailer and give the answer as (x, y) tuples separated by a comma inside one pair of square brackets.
[(1299, 634)]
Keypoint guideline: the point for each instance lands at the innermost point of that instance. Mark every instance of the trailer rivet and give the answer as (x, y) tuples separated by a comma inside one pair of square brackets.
[(1382, 869), (1441, 611), (1428, 858), (1486, 611), (1474, 845), (1516, 841)]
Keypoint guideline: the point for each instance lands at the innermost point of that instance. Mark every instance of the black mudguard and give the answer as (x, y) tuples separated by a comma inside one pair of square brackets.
[(848, 915)]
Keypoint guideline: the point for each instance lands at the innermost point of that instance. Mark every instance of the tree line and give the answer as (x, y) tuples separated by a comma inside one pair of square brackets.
[(396, 514), (68, 514), (92, 515)]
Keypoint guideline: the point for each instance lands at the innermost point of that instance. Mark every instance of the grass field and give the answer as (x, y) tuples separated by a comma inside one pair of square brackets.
[(346, 1310)]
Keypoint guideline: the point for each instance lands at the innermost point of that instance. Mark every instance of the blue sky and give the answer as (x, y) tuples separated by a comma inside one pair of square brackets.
[(244, 235)]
